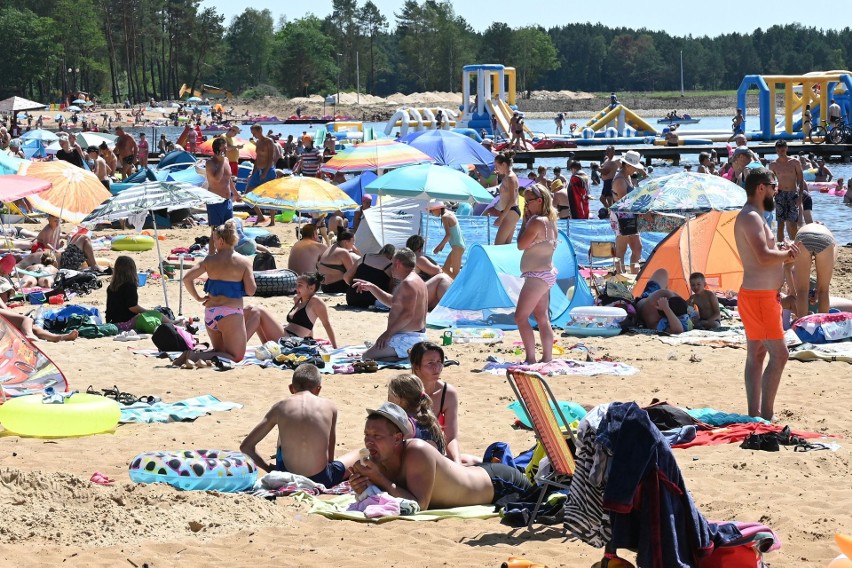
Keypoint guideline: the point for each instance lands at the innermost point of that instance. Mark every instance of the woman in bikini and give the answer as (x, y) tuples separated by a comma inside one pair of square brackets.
[(229, 278), (510, 213), (821, 247), (538, 239), (336, 261)]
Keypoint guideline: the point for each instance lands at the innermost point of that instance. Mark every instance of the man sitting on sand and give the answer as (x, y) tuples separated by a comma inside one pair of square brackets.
[(306, 432), (408, 307), (660, 308), (414, 469), (307, 251), (70, 257), (709, 314)]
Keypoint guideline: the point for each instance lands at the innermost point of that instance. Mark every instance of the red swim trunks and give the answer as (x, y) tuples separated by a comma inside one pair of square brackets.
[(760, 311), (235, 168)]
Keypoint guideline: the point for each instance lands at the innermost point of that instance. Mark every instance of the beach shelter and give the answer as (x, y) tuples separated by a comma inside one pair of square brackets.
[(16, 104), (452, 149), (356, 187), (710, 237), (485, 293), (389, 221), (24, 369), (178, 159)]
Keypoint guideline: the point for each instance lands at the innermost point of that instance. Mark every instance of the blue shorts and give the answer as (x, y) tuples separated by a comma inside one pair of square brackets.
[(506, 480), (606, 191), (218, 213), (651, 287), (332, 474), (787, 206), (255, 179)]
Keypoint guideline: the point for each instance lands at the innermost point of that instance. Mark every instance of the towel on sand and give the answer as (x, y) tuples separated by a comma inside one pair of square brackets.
[(560, 367), (335, 508), (181, 411)]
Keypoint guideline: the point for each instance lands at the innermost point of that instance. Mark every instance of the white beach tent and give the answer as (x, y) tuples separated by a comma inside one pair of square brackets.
[(391, 221)]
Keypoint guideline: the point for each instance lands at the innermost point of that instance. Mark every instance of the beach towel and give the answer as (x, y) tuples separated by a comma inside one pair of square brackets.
[(336, 508), (730, 337), (560, 367), (826, 352), (182, 411), (347, 356), (735, 433), (714, 417)]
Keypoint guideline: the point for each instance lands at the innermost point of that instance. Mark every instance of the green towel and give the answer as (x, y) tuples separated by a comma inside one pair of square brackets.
[(335, 508)]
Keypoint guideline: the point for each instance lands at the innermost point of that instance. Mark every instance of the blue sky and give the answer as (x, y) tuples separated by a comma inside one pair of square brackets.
[(676, 16)]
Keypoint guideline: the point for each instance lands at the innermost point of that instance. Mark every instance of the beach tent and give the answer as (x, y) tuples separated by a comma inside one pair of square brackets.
[(486, 291), (25, 369), (714, 253), (389, 221)]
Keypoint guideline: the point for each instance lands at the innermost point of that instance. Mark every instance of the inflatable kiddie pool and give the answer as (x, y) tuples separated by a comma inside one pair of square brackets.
[(598, 321), (132, 243), (80, 415), (196, 470)]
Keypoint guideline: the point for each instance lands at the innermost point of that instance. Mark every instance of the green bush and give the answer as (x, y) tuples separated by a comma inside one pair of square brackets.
[(260, 91)]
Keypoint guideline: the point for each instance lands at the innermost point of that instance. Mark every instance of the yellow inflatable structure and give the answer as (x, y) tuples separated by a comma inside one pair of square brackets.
[(619, 116)]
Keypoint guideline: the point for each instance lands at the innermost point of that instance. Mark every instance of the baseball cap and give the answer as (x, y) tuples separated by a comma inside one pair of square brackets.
[(396, 415)]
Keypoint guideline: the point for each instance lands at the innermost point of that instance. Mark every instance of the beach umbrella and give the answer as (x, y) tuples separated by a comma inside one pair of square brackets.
[(80, 102), (428, 181), (14, 187), (15, 104), (355, 187), (148, 197), (305, 194), (452, 149), (376, 155), (40, 134), (194, 100), (9, 165), (75, 192), (73, 108), (247, 152), (86, 139)]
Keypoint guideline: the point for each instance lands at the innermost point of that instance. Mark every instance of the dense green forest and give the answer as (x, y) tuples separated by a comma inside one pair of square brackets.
[(140, 49)]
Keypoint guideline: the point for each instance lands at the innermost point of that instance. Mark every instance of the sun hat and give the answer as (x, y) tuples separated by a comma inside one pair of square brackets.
[(633, 159), (396, 415), (435, 204)]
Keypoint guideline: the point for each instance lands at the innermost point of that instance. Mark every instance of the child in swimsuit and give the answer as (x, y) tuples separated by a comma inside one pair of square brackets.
[(452, 235)]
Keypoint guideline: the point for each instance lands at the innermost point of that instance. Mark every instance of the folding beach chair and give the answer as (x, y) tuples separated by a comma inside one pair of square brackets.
[(538, 402)]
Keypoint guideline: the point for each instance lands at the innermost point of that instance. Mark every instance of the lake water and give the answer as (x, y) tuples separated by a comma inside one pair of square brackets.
[(827, 209)]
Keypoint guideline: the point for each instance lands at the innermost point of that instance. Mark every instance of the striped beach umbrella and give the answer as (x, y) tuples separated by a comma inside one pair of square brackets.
[(377, 156), (297, 193)]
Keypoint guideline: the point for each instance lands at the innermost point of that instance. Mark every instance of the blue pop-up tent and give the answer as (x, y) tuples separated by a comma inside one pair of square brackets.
[(485, 293)]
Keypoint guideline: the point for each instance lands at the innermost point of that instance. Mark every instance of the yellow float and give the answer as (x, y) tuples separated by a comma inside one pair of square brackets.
[(132, 243), (79, 415)]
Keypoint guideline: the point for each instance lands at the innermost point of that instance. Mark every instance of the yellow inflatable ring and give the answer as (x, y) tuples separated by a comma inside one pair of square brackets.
[(79, 415), (133, 243)]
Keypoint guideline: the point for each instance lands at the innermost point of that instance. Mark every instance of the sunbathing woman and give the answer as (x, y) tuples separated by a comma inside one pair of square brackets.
[(307, 309), (229, 278), (336, 261), (374, 268), (31, 331), (427, 362), (538, 239), (407, 391), (41, 274)]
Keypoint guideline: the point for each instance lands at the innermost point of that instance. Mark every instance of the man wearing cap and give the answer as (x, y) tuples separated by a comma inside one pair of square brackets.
[(608, 169), (759, 304), (628, 228), (366, 203), (408, 308), (791, 191), (232, 149), (410, 468)]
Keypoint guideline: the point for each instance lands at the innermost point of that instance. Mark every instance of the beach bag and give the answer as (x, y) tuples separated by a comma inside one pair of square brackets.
[(80, 283), (269, 240), (263, 261), (824, 328), (148, 322), (167, 337)]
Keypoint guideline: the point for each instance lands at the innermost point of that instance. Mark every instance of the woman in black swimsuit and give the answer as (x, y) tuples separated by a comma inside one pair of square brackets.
[(307, 308), (374, 268), (336, 261)]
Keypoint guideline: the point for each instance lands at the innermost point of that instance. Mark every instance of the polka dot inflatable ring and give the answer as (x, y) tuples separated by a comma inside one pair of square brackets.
[(196, 470)]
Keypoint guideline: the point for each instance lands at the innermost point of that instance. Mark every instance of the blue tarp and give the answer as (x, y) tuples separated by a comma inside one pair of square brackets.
[(485, 292)]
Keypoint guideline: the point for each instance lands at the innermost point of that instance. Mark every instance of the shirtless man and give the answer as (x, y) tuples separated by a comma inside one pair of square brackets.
[(71, 256), (791, 187), (510, 212), (759, 305), (608, 169), (99, 165), (306, 432), (410, 468), (125, 151), (660, 308), (408, 306), (306, 252), (220, 182), (264, 169)]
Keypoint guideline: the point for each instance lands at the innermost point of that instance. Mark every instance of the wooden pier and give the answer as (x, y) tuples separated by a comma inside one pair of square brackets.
[(830, 152)]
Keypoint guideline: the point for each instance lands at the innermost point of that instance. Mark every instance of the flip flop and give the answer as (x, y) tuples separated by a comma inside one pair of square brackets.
[(99, 478)]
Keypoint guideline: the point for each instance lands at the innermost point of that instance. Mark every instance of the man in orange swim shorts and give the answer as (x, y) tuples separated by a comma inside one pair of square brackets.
[(759, 302)]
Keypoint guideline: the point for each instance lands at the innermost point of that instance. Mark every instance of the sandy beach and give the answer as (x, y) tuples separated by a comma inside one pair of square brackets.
[(52, 514)]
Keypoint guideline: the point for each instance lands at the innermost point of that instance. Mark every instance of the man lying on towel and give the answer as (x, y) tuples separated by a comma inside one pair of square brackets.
[(414, 469), (660, 308)]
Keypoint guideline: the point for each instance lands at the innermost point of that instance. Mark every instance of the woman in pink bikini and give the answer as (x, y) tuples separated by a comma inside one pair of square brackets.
[(538, 239), (229, 278)]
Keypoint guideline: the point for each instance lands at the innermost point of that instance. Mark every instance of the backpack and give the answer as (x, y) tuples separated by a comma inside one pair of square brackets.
[(167, 337), (269, 240), (263, 261)]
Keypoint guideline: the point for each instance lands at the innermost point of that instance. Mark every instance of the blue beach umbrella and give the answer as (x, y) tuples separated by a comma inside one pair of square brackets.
[(40, 134), (429, 181), (452, 149), (80, 102), (194, 100), (73, 108)]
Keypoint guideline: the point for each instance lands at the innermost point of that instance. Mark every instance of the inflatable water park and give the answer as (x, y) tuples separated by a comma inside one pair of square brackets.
[(489, 102)]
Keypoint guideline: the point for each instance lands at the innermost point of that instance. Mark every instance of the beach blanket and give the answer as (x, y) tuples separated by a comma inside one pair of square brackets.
[(182, 411), (729, 337), (336, 508), (714, 417), (249, 358), (825, 352), (560, 367), (347, 356), (736, 433)]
